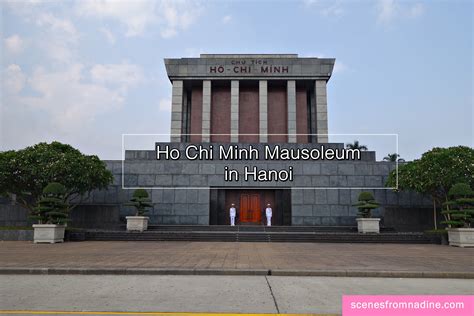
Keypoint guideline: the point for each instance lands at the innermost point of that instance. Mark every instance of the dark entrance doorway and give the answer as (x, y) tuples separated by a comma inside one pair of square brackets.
[(250, 205)]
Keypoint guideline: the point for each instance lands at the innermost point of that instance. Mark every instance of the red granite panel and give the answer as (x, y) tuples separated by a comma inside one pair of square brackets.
[(277, 114), (220, 113), (248, 114), (196, 114), (301, 115)]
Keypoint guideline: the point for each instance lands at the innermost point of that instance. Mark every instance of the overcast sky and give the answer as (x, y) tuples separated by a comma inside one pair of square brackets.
[(84, 72)]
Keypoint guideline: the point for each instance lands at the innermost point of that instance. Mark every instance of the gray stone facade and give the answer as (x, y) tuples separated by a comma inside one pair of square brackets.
[(291, 67), (176, 110), (291, 96), (322, 193)]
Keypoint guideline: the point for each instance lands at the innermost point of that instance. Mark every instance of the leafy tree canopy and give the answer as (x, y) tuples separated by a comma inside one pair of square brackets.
[(436, 172), (26, 172)]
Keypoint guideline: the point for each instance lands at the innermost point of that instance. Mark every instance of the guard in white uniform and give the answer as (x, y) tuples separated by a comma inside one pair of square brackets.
[(268, 213), (232, 213)]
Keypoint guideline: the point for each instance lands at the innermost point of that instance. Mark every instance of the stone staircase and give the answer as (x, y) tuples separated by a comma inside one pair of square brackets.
[(253, 234)]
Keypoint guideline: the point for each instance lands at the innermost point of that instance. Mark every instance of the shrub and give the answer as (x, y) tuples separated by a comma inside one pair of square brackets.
[(366, 203), (460, 207), (140, 201), (51, 208)]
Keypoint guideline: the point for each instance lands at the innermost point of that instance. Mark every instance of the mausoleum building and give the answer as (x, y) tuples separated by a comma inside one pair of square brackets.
[(255, 100), (250, 101)]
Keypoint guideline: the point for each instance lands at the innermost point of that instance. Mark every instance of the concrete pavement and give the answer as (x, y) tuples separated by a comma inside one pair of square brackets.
[(223, 294)]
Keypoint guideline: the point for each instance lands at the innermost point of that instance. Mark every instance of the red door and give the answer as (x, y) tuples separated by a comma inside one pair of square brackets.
[(250, 208)]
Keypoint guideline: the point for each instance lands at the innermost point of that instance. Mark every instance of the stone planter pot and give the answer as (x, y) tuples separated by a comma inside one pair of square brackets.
[(48, 233), (461, 237), (137, 223), (368, 225)]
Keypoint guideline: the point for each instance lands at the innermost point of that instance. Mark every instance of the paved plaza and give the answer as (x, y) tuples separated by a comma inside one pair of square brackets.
[(431, 260)]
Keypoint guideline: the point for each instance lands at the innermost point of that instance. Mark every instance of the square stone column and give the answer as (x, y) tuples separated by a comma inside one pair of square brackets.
[(206, 111), (291, 97), (263, 110), (176, 111), (234, 111), (321, 111)]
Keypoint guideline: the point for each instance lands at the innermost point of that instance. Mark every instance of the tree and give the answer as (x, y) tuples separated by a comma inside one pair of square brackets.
[(52, 208), (435, 173), (140, 201), (24, 173), (366, 203), (460, 207), (356, 145), (393, 158)]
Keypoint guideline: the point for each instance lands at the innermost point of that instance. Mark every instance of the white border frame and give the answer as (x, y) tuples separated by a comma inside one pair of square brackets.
[(258, 187)]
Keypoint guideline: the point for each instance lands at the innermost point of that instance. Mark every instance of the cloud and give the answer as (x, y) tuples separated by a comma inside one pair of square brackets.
[(165, 105), (123, 75), (135, 15), (14, 44), (65, 96), (334, 10), (68, 112), (386, 10), (416, 10), (168, 32), (23, 8), (74, 96), (108, 35), (14, 79), (138, 15), (390, 10), (177, 15), (59, 39), (310, 2), (56, 36), (57, 24), (326, 8), (226, 19)]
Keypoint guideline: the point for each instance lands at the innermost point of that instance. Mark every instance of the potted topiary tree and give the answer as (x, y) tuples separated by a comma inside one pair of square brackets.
[(460, 214), (365, 223), (141, 202), (51, 214)]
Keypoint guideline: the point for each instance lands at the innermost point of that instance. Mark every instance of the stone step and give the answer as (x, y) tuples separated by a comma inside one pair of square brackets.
[(233, 236), (258, 228)]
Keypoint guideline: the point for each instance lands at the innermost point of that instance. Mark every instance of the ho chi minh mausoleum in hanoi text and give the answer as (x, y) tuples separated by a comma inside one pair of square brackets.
[(251, 100)]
